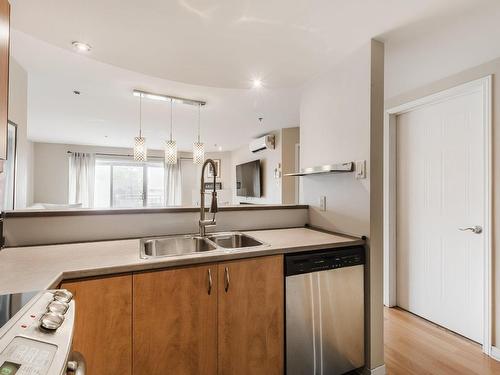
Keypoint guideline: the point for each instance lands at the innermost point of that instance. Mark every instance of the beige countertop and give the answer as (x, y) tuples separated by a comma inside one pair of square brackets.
[(43, 267)]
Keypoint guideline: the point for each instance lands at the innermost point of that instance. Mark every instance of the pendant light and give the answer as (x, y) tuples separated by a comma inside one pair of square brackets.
[(171, 145), (140, 148), (198, 146)]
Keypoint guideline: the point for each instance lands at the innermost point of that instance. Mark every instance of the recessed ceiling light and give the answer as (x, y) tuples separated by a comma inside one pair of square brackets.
[(257, 83), (81, 47)]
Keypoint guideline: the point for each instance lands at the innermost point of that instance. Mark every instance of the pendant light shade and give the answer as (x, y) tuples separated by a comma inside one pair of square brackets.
[(171, 145), (171, 152), (198, 153), (140, 147), (198, 146)]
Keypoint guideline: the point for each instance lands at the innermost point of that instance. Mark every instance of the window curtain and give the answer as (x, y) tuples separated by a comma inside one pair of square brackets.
[(173, 185), (81, 179)]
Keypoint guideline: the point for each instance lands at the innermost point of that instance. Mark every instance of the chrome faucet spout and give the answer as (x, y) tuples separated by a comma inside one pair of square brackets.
[(213, 206)]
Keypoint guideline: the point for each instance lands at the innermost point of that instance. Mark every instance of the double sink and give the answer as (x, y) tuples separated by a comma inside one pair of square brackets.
[(191, 244)]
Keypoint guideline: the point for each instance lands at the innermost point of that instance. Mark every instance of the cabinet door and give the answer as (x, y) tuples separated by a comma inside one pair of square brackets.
[(103, 329), (251, 316), (4, 74), (175, 321)]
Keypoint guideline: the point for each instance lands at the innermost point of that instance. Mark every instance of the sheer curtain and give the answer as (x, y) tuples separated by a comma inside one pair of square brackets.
[(173, 184), (81, 179)]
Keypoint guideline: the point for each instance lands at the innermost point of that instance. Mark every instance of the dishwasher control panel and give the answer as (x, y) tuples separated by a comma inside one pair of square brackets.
[(323, 260)]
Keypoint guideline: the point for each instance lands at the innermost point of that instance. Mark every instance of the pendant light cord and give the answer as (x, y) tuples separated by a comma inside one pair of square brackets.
[(171, 117), (199, 122), (140, 116)]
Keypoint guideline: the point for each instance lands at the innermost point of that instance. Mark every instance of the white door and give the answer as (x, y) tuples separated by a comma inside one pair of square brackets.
[(440, 188)]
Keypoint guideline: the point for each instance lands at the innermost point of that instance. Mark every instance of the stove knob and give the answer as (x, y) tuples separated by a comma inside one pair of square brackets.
[(58, 307), (63, 295), (51, 321)]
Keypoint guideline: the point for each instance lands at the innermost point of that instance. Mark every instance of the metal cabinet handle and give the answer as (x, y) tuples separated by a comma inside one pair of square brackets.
[(76, 363), (209, 281), (226, 279), (475, 229)]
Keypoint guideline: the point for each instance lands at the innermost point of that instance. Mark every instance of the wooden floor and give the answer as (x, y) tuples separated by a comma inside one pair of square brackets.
[(416, 346)]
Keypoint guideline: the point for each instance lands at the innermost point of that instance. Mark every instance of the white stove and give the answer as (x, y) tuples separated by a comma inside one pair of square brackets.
[(36, 333)]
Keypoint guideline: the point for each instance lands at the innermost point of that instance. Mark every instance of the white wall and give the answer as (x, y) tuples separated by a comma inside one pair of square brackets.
[(51, 168), (341, 119), (424, 53), (78, 228), (18, 113), (334, 127), (269, 159), (445, 56)]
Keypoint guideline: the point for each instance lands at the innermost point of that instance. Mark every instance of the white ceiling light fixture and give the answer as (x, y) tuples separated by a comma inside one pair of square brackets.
[(81, 47), (166, 98), (140, 147), (171, 145), (198, 146), (256, 83)]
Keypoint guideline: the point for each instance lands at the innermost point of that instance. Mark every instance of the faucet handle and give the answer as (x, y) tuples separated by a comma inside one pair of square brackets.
[(213, 207)]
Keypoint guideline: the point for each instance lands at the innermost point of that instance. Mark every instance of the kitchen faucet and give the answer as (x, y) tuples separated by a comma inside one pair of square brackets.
[(213, 207)]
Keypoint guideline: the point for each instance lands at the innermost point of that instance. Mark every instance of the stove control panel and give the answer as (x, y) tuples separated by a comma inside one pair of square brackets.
[(37, 340), (25, 356)]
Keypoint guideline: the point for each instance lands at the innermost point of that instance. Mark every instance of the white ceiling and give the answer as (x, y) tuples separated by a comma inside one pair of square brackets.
[(214, 46), (107, 114), (223, 43)]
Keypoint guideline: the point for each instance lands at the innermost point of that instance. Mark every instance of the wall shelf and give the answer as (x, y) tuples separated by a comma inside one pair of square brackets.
[(329, 168)]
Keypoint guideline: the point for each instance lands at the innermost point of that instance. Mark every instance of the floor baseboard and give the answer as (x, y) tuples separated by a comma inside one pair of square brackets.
[(380, 370), (495, 353)]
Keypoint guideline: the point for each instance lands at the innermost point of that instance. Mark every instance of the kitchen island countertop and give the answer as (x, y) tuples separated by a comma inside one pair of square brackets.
[(44, 267)]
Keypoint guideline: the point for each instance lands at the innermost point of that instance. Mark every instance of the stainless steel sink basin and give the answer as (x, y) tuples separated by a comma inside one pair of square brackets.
[(175, 245), (191, 244), (234, 240)]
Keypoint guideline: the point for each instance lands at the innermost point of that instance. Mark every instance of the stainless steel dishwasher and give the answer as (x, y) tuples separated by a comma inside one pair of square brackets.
[(325, 311)]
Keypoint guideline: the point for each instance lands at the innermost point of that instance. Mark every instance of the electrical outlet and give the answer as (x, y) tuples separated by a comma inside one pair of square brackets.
[(322, 203), (360, 169)]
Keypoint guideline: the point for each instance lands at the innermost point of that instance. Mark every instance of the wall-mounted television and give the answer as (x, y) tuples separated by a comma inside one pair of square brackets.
[(248, 182)]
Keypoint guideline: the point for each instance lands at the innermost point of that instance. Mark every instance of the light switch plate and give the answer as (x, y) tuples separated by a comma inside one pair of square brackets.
[(322, 203), (360, 169)]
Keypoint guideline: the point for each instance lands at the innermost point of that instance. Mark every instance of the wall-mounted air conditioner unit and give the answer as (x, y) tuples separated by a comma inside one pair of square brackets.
[(262, 143)]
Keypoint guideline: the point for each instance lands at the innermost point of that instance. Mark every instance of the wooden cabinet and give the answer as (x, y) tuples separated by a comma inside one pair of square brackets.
[(103, 328), (175, 321), (4, 74), (224, 318), (251, 316)]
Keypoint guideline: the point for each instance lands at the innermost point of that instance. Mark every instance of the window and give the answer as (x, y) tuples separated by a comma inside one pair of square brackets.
[(125, 183)]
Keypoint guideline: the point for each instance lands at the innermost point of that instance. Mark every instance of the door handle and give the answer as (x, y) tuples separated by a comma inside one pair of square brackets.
[(475, 229), (226, 279), (209, 281)]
